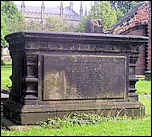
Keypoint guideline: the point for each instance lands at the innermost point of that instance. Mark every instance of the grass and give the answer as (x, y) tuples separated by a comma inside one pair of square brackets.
[(125, 128), (147, 103), (6, 72), (143, 86), (103, 127)]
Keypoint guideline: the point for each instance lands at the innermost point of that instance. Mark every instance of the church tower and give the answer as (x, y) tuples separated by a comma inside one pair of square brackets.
[(42, 13), (23, 8), (61, 10), (96, 2), (85, 12), (71, 5), (81, 11)]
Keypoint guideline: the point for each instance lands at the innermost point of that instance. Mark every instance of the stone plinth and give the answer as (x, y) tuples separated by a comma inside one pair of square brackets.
[(59, 73), (148, 75)]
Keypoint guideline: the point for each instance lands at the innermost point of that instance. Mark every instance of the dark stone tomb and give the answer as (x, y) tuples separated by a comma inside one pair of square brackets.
[(55, 74)]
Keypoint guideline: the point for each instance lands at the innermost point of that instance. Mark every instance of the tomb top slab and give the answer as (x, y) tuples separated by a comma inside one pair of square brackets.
[(49, 36)]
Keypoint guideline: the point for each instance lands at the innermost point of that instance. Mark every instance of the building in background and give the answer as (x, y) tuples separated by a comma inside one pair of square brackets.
[(40, 13)]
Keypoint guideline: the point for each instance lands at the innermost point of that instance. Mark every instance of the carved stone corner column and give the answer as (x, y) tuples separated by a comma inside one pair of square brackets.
[(132, 78), (133, 57), (17, 56), (30, 80)]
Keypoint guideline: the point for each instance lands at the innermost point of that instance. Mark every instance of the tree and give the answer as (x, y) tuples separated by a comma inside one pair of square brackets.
[(3, 31), (57, 24), (81, 26), (100, 10), (103, 10), (33, 25), (109, 11), (124, 6), (11, 21), (119, 13)]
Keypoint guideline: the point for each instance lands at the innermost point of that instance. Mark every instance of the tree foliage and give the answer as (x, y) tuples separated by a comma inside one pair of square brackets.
[(33, 25), (109, 11), (57, 24), (51, 24), (105, 12), (11, 20), (124, 6), (100, 10), (119, 13), (3, 31), (81, 26)]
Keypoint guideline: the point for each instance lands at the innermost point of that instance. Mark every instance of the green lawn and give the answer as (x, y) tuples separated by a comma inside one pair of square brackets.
[(147, 103), (6, 72), (110, 127), (125, 128), (143, 86)]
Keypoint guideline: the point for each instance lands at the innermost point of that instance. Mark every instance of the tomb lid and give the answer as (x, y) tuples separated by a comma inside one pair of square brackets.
[(43, 35)]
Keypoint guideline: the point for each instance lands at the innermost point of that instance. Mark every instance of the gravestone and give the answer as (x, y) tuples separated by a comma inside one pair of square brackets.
[(55, 74), (94, 26)]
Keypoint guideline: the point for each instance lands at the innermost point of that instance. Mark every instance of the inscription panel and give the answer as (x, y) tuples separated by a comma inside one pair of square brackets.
[(83, 77)]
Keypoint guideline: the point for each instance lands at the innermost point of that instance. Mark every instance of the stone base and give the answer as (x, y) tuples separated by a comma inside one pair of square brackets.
[(32, 114), (148, 75), (9, 125), (132, 96), (6, 123)]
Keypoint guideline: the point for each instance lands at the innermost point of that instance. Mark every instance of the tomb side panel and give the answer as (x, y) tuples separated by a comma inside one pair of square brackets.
[(83, 77)]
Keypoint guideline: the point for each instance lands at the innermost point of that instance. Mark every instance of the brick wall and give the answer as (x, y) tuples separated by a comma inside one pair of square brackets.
[(141, 62), (139, 17), (136, 23), (149, 42)]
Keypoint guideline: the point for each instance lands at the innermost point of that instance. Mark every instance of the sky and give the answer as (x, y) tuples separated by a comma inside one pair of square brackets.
[(76, 4)]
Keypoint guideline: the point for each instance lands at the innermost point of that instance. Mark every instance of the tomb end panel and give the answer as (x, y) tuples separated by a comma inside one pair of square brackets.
[(74, 77)]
